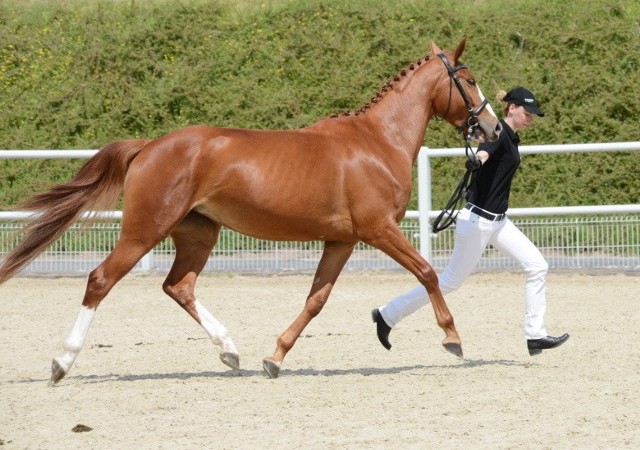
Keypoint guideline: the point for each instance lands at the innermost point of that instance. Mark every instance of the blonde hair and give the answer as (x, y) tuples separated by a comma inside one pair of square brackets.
[(500, 96)]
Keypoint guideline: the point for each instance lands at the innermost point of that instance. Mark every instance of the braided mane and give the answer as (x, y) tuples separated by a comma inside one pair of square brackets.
[(385, 88)]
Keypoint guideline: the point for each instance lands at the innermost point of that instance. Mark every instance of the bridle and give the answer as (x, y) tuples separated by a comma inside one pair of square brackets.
[(472, 120), (449, 213)]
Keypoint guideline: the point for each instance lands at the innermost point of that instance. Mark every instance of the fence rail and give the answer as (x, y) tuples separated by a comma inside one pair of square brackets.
[(579, 243), (572, 237)]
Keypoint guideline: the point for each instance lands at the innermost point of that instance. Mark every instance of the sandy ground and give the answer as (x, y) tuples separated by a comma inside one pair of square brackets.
[(148, 377)]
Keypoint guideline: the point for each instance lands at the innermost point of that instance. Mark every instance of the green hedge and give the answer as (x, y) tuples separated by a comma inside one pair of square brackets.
[(77, 74)]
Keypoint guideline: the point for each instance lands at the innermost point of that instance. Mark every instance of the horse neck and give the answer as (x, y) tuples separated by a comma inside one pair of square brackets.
[(404, 112)]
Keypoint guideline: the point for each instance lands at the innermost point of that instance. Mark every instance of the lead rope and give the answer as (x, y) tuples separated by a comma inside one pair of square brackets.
[(448, 215)]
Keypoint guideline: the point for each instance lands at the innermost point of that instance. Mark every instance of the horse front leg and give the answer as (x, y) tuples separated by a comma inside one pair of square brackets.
[(391, 241), (333, 259)]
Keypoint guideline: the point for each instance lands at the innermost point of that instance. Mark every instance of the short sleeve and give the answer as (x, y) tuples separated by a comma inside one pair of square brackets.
[(490, 147)]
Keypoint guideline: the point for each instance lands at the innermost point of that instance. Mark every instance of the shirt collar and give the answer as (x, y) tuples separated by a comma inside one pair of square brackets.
[(512, 134)]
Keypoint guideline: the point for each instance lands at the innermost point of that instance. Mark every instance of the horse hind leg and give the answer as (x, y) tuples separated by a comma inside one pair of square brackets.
[(120, 261), (194, 238), (74, 342), (333, 259)]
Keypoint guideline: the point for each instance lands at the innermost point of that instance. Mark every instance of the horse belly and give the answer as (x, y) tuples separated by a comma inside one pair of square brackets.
[(294, 224)]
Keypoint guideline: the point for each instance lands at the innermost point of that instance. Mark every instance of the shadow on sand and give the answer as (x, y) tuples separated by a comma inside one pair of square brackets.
[(363, 371)]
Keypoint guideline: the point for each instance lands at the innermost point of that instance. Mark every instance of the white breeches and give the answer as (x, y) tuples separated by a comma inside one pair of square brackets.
[(473, 235)]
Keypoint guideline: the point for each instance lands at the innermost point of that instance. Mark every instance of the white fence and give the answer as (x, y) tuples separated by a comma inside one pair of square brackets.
[(573, 237)]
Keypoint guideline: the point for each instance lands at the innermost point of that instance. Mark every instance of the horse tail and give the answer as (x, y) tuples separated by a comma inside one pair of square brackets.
[(97, 186)]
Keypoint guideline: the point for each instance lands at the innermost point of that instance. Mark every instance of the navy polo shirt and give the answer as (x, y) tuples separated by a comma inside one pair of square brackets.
[(493, 183)]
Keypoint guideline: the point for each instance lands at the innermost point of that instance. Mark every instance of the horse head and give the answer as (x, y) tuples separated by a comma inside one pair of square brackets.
[(459, 99)]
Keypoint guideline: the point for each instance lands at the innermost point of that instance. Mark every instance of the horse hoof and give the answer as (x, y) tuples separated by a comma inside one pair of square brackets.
[(230, 359), (456, 349), (57, 372), (271, 367)]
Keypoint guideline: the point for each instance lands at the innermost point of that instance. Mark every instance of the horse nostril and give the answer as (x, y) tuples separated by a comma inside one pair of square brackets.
[(498, 128)]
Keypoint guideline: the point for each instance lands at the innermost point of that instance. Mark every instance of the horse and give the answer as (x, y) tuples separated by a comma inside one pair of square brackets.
[(344, 179)]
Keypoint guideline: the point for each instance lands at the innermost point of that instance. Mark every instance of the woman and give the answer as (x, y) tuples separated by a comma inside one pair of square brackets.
[(482, 222)]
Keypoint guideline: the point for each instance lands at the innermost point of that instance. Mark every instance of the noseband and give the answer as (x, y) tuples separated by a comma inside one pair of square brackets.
[(472, 120)]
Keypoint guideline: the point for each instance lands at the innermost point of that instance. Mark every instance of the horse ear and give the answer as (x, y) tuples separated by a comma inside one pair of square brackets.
[(459, 50), (435, 49)]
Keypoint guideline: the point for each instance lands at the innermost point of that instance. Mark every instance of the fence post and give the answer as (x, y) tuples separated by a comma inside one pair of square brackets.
[(146, 263), (424, 202)]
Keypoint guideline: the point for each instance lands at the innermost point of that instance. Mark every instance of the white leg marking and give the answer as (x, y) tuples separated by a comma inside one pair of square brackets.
[(488, 104), (75, 340), (216, 331)]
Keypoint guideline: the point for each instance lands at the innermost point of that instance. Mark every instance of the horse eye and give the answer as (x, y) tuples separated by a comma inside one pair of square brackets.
[(471, 82)]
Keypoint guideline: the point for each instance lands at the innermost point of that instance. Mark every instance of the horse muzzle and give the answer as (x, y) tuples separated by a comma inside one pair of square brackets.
[(489, 131)]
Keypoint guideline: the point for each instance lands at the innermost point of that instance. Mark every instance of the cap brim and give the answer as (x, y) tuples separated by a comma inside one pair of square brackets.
[(534, 110)]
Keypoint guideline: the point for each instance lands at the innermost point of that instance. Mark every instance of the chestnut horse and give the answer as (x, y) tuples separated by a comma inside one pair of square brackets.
[(341, 180)]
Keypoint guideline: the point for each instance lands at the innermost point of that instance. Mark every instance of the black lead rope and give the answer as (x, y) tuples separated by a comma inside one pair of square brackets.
[(448, 215)]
